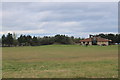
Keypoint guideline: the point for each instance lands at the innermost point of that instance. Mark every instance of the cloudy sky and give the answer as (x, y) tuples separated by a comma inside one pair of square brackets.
[(77, 19)]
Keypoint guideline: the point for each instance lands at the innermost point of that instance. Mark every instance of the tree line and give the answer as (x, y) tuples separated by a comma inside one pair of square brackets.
[(28, 40)]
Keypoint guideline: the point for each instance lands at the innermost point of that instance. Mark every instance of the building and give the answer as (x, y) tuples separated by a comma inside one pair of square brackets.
[(93, 40)]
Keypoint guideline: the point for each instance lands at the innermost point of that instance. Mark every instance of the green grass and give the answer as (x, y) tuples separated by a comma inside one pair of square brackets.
[(60, 61)]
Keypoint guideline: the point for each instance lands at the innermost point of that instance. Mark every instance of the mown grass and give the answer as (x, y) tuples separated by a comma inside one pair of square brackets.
[(60, 61)]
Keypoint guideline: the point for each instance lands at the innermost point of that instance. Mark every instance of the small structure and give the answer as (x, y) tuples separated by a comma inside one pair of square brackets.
[(94, 40)]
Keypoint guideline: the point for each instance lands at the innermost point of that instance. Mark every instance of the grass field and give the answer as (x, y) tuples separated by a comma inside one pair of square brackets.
[(60, 61)]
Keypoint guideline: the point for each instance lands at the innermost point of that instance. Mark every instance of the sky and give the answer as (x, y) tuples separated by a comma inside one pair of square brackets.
[(77, 19), (59, 0)]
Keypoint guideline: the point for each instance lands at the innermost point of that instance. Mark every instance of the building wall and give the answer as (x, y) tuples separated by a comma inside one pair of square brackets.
[(83, 43), (100, 43), (90, 43)]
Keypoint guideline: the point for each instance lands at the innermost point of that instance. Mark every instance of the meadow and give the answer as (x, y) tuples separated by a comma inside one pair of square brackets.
[(60, 61)]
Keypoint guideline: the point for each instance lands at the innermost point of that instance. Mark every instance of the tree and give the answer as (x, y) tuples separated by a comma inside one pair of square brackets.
[(22, 40), (28, 40), (77, 40), (118, 38), (0, 42), (62, 39), (15, 41), (102, 35), (46, 40), (3, 40), (9, 40), (14, 36), (111, 37), (35, 41)]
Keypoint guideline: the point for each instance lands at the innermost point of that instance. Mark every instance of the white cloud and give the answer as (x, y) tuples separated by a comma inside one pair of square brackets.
[(63, 18)]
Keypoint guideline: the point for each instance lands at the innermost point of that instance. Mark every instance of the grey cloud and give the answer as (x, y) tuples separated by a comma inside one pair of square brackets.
[(60, 17)]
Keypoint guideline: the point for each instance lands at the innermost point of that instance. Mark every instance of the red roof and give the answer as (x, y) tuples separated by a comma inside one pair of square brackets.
[(86, 40), (102, 39), (97, 38)]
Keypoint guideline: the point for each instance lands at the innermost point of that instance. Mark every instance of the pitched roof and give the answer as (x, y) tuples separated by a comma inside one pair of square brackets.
[(86, 40), (97, 38), (102, 39)]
